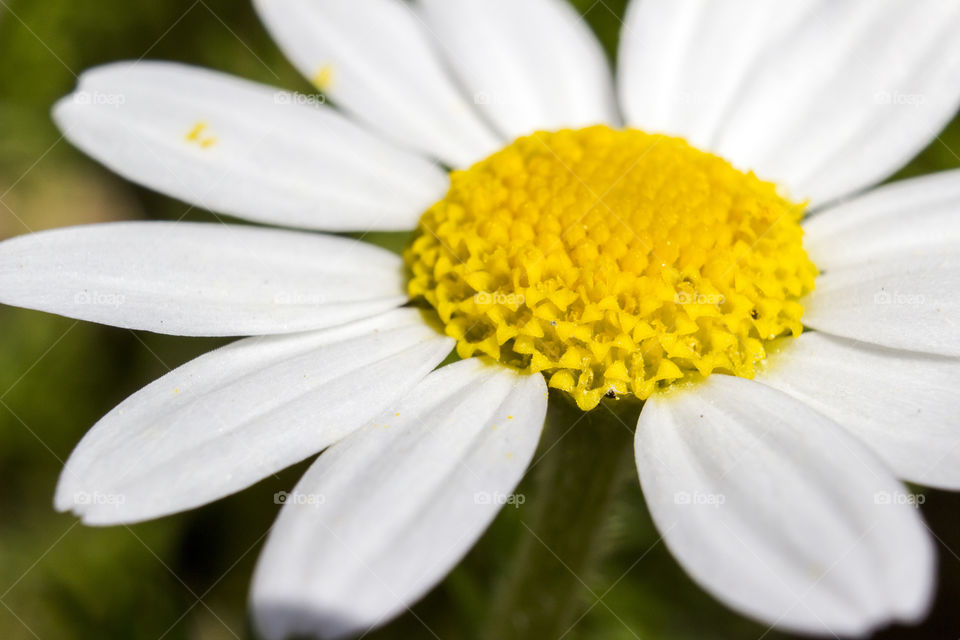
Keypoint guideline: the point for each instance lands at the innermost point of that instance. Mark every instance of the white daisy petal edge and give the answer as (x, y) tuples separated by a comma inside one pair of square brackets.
[(197, 279), (374, 58), (381, 517), (230, 418), (917, 216), (903, 405), (664, 81), (823, 97), (530, 65), (904, 301), (245, 149), (779, 512)]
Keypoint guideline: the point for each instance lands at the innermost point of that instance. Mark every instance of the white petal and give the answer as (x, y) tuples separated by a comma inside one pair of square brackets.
[(917, 216), (195, 279), (681, 63), (530, 65), (374, 58), (381, 517), (244, 149), (780, 513), (903, 405), (226, 420), (904, 302), (823, 97)]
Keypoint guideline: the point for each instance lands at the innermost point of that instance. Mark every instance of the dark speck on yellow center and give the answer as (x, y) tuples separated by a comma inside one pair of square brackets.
[(615, 262)]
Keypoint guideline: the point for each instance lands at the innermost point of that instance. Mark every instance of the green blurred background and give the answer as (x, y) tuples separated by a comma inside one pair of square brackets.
[(186, 576)]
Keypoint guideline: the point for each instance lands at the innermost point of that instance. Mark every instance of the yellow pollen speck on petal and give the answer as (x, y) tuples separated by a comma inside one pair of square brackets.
[(198, 136), (323, 78), (615, 262)]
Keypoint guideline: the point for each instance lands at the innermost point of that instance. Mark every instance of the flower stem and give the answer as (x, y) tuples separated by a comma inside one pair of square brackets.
[(582, 460)]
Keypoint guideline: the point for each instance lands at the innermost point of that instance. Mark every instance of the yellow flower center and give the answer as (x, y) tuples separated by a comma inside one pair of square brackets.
[(615, 262)]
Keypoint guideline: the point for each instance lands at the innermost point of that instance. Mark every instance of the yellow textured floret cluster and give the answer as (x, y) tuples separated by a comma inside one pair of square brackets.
[(615, 262)]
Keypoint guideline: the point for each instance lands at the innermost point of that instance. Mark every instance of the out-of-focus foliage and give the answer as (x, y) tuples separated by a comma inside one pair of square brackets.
[(186, 576)]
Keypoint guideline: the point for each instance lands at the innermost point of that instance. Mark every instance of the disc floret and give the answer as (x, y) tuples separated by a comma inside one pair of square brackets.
[(614, 261)]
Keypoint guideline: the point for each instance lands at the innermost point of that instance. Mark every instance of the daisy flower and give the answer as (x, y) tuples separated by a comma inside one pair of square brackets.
[(698, 235)]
